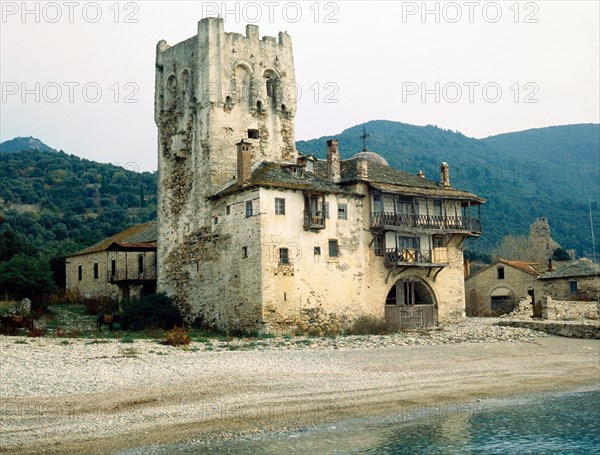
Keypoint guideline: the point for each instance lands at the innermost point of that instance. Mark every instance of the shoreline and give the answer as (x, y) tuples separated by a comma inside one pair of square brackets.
[(414, 416), (210, 396)]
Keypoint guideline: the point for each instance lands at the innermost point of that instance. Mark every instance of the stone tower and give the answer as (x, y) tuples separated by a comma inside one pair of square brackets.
[(212, 91), (541, 241)]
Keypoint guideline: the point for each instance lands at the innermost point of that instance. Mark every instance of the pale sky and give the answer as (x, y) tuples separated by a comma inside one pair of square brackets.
[(494, 67)]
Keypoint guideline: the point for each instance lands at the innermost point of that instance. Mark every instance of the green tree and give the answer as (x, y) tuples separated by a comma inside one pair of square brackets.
[(24, 276), (560, 254)]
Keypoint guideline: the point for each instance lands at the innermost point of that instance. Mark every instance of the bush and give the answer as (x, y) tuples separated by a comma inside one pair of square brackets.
[(100, 305), (73, 297), (368, 325), (35, 332), (151, 312), (177, 337)]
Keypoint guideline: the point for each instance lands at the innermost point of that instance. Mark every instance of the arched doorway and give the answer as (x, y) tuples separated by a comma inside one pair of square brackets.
[(410, 304), (502, 300)]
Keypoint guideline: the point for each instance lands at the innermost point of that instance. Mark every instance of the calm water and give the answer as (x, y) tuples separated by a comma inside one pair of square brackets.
[(546, 424)]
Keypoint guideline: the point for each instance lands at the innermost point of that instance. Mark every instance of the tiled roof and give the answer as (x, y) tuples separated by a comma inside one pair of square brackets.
[(526, 267), (139, 234), (384, 174), (581, 267), (277, 175), (417, 191), (132, 246), (382, 177)]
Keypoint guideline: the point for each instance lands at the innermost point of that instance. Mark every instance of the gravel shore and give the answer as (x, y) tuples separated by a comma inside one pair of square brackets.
[(89, 397)]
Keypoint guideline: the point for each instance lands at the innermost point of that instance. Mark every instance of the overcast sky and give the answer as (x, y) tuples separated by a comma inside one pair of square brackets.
[(482, 68)]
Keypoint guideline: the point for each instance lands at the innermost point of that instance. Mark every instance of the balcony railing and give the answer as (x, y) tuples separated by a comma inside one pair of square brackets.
[(410, 256), (407, 220), (131, 275), (314, 219)]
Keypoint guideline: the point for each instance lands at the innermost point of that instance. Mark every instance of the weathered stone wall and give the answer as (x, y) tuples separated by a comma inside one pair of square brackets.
[(319, 292), (101, 286), (313, 288), (569, 310), (213, 90), (481, 286), (559, 288), (588, 330)]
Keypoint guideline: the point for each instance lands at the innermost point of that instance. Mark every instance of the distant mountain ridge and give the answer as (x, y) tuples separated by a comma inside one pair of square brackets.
[(18, 144), (544, 172)]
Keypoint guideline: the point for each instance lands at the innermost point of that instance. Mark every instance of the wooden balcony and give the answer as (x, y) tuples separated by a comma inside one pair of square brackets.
[(392, 221), (123, 276), (314, 219), (436, 257)]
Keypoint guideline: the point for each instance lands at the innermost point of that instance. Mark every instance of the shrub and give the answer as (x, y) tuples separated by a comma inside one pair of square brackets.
[(177, 337), (35, 332), (368, 325), (73, 297), (100, 305), (151, 312)]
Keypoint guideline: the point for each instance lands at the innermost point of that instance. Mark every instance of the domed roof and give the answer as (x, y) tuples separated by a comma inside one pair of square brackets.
[(371, 156)]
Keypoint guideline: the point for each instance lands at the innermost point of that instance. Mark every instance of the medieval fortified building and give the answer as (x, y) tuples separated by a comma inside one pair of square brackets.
[(253, 235)]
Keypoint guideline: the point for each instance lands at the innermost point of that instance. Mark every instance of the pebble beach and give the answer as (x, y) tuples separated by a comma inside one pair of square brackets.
[(101, 396)]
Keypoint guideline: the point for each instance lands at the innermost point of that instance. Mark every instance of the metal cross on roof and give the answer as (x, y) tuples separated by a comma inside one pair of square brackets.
[(364, 136)]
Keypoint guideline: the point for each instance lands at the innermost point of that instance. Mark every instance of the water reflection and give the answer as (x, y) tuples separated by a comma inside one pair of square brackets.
[(567, 423)]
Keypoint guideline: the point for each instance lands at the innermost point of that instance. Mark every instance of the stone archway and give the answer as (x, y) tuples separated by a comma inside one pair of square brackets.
[(410, 304), (502, 300)]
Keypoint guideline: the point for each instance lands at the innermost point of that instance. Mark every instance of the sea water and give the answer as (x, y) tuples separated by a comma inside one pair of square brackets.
[(567, 423)]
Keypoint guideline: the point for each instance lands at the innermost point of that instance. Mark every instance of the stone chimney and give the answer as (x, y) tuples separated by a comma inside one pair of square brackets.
[(421, 174), (467, 268), (362, 169), (445, 175), (244, 171), (333, 161)]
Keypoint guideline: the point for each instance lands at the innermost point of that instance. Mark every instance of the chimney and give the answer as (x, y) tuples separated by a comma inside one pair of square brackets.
[(421, 174), (467, 268), (550, 268), (445, 175), (244, 172), (333, 161), (362, 169)]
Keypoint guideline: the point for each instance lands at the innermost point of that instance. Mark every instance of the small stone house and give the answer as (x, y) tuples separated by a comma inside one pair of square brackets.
[(500, 286), (121, 266), (575, 280)]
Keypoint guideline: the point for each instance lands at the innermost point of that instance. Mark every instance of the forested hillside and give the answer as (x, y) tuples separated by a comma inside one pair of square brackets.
[(58, 203)]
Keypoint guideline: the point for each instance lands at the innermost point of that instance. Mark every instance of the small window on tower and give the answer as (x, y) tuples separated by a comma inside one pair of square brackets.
[(284, 256), (248, 209), (244, 252), (334, 250), (253, 134)]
